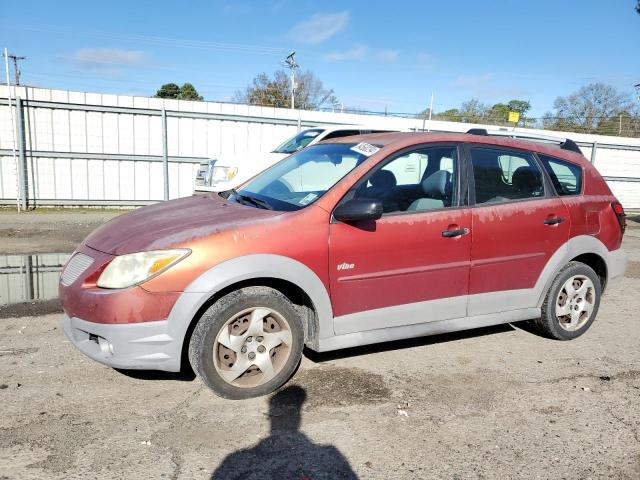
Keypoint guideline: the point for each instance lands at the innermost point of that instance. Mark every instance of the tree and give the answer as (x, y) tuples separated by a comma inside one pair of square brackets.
[(588, 109), (473, 111), (189, 92), (171, 90), (168, 90), (520, 106), (499, 113), (275, 91), (451, 115), (638, 7)]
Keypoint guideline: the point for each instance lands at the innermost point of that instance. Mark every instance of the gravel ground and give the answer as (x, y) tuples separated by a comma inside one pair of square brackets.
[(497, 402)]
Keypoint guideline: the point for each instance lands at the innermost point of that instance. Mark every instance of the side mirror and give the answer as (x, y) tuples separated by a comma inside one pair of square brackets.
[(358, 209)]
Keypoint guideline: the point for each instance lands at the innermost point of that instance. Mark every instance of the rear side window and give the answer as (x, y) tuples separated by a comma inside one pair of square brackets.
[(505, 175), (565, 176)]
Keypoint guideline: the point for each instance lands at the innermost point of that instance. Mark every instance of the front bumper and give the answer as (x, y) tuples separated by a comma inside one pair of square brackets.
[(139, 346)]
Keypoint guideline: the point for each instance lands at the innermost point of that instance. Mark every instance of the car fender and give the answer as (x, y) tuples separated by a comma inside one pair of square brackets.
[(249, 267), (574, 247)]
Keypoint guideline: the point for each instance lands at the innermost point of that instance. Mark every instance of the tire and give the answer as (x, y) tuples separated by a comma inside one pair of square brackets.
[(563, 297), (258, 331)]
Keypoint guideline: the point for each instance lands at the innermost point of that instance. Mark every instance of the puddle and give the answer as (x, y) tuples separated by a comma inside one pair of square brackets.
[(30, 278)]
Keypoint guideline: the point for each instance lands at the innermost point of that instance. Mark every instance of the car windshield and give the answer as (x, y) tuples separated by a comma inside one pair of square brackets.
[(302, 178), (300, 141)]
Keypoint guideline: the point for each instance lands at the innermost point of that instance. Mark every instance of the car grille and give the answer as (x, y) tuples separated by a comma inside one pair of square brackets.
[(76, 266)]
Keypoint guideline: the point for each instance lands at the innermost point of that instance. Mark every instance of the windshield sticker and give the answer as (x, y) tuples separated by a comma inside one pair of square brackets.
[(365, 149), (308, 199)]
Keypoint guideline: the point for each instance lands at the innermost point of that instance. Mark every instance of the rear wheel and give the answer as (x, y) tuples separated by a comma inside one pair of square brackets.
[(247, 344), (572, 302)]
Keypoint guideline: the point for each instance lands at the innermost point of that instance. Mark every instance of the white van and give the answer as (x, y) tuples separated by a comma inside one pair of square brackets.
[(218, 175)]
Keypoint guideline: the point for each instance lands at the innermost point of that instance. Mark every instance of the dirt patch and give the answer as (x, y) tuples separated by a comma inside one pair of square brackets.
[(550, 410), (13, 352), (633, 270), (61, 438), (30, 309), (49, 231), (339, 386)]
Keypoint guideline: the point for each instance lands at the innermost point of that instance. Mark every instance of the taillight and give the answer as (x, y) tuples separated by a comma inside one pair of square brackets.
[(620, 215)]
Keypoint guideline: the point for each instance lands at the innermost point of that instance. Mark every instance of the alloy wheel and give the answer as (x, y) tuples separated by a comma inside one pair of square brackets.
[(575, 303), (252, 347)]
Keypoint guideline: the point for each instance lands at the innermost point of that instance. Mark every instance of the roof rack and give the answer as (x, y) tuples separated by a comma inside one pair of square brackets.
[(563, 143)]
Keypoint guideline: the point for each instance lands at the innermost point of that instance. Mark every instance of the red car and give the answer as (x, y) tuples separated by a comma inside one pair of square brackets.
[(348, 242)]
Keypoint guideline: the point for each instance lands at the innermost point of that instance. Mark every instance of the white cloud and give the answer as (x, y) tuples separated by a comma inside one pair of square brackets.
[(473, 81), (387, 55), (104, 57), (362, 52), (424, 60), (355, 53), (320, 27), (487, 86)]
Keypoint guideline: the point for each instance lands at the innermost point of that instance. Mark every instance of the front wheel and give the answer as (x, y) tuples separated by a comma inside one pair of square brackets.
[(248, 343), (572, 302)]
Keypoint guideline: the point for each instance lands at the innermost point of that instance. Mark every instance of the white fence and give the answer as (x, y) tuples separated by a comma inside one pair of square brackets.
[(76, 148)]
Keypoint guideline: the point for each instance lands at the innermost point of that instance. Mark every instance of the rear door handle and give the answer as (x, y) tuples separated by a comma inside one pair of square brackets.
[(455, 233), (553, 221)]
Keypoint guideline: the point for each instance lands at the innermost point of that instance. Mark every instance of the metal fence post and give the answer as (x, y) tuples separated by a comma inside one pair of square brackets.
[(23, 173), (594, 149), (165, 155)]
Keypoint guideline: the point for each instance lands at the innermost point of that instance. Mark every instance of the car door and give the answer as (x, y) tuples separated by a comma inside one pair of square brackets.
[(412, 265), (517, 223)]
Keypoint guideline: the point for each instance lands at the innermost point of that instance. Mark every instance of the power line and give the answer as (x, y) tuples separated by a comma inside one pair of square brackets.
[(166, 41)]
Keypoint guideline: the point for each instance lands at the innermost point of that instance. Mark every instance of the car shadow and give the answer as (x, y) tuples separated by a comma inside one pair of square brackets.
[(319, 357), (186, 375), (286, 453)]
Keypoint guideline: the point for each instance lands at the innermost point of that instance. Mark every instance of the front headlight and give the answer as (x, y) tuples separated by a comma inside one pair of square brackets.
[(126, 270), (221, 174)]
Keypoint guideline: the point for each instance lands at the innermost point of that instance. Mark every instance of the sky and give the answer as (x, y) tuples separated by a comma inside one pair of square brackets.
[(375, 55)]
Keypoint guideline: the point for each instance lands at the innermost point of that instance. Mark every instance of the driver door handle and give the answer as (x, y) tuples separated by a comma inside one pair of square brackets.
[(553, 220), (455, 233)]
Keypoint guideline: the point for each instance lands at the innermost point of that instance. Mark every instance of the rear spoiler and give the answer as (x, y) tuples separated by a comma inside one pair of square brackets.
[(563, 143)]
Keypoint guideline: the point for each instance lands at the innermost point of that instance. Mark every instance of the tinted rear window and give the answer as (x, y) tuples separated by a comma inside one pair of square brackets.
[(566, 176)]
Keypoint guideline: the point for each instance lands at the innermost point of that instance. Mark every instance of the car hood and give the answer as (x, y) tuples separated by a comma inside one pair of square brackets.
[(173, 224)]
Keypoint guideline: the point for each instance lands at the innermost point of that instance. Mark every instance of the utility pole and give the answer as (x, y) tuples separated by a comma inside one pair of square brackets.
[(290, 63), (13, 126), (16, 70), (424, 117)]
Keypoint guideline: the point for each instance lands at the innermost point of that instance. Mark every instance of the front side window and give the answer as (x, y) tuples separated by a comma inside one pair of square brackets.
[(300, 141), (505, 175), (302, 178), (565, 176), (418, 180)]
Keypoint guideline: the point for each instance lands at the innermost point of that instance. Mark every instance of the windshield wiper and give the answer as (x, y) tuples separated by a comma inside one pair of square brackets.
[(254, 201)]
